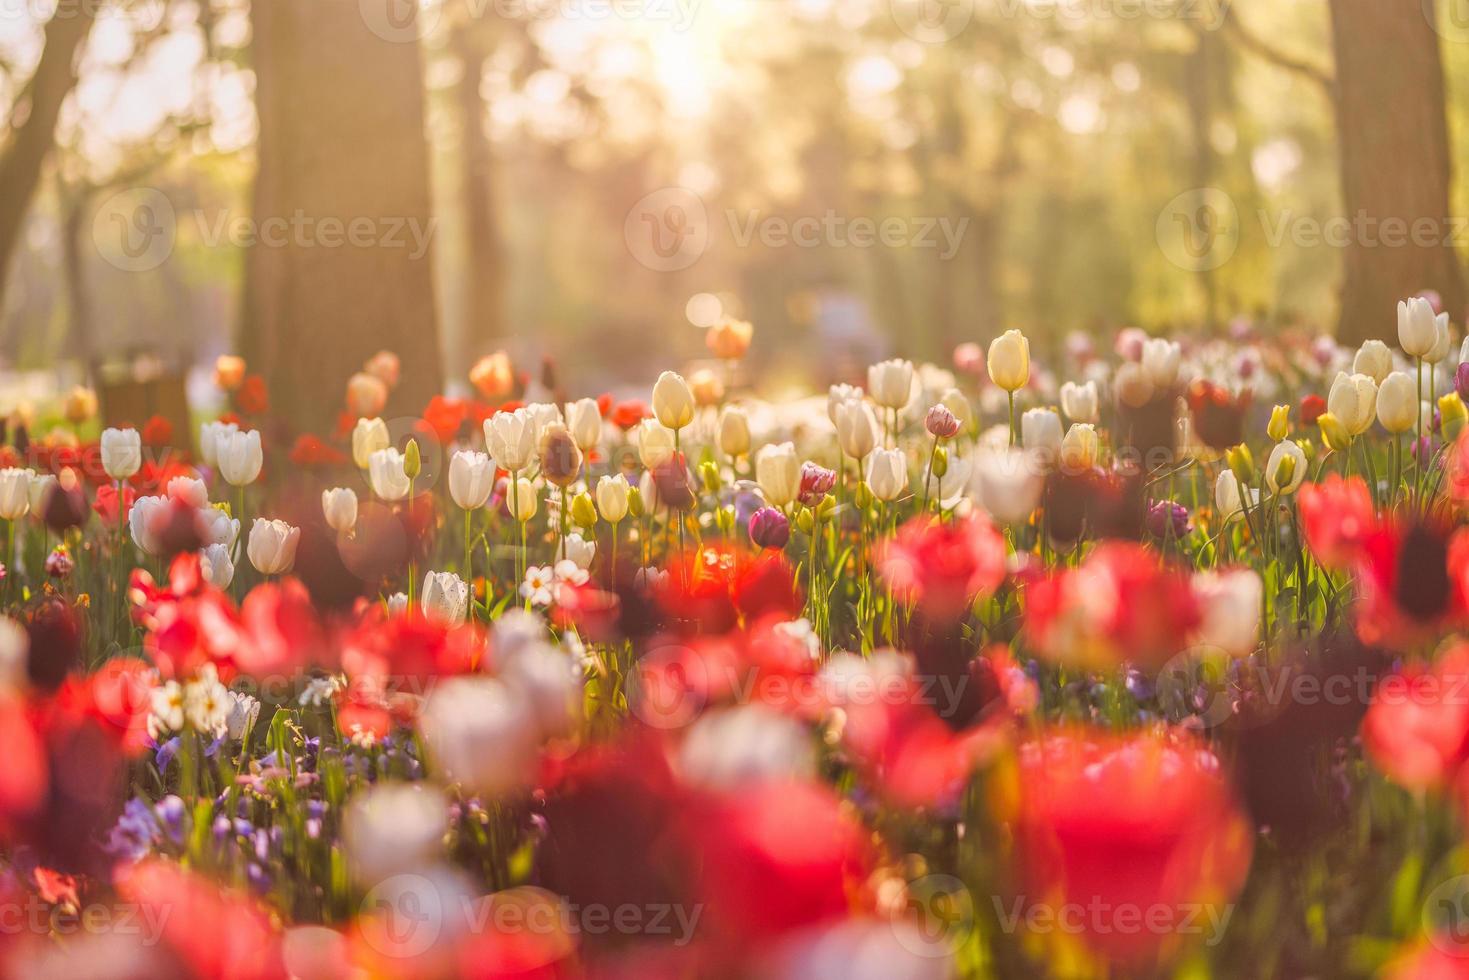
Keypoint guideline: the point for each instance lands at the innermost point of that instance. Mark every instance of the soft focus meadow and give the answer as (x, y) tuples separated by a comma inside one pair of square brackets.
[(734, 489), (963, 672)]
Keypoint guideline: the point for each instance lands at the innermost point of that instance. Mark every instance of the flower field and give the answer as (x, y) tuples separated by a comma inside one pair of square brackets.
[(1128, 660)]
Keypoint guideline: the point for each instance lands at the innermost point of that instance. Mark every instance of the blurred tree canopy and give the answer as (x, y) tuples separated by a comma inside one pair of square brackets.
[(1047, 164)]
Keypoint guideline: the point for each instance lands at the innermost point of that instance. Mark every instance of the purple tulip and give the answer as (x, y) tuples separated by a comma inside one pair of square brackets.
[(769, 529), (1168, 518), (941, 422), (1461, 381)]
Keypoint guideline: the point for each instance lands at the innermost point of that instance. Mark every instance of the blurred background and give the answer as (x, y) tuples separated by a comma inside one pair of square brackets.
[(306, 182)]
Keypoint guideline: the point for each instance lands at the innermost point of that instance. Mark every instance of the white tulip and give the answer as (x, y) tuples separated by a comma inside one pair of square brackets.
[(272, 546), (1080, 402), (1230, 604), (41, 484), (857, 430), (887, 473), (547, 680), (15, 492), (522, 500), (339, 507), (240, 457), (511, 438), (955, 401), (141, 519), (1133, 384), (1397, 403), (217, 566), (393, 828), (734, 748), (1008, 360), (891, 382), (837, 394), (612, 498), (673, 402), (1442, 341), (580, 550), (584, 421), (1229, 500), (541, 414), (209, 436), (191, 491), (1286, 468), (369, 436), (1353, 400), (778, 471), (122, 452), (1080, 447), (734, 432), (385, 473), (471, 479), (1007, 483), (655, 443), (217, 527), (1040, 429), (480, 733), (1160, 361), (397, 603), (446, 597), (1373, 359), (1417, 326)]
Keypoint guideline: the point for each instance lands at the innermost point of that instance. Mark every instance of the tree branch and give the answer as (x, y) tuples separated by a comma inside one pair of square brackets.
[(1253, 44)]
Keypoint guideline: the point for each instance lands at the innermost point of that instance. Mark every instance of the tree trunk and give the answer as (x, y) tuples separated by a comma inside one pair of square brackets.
[(34, 116), (484, 286), (341, 267), (1395, 168)]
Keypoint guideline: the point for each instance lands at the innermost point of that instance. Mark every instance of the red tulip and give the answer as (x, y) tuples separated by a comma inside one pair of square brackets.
[(943, 567), (1110, 827), (1338, 517)]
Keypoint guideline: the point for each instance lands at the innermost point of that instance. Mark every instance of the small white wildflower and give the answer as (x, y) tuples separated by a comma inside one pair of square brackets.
[(538, 585), (207, 703), (319, 690), (168, 708)]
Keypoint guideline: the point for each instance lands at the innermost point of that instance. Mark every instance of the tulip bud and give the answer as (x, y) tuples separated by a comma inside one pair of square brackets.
[(1451, 415), (804, 521), (1461, 378), (1333, 433), (1397, 403), (709, 475), (1286, 467), (522, 500), (729, 338), (583, 511), (412, 460), (612, 498), (561, 457), (890, 382), (769, 528), (635, 502), (673, 402), (369, 436), (734, 432), (122, 452), (1009, 360), (339, 506), (1241, 463), (864, 495), (1417, 326), (272, 546), (1279, 426), (941, 423), (940, 462)]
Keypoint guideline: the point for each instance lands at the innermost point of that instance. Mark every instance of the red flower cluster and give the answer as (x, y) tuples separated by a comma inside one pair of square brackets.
[(1121, 836), (943, 567), (1121, 604)]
